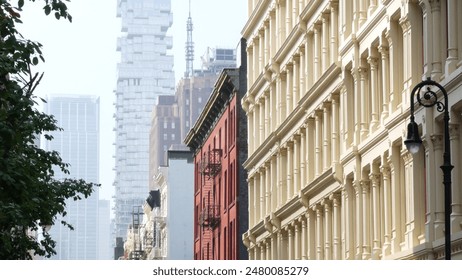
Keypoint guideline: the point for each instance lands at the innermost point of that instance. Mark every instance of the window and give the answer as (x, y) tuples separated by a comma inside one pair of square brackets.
[(165, 136), (173, 136), (165, 124), (199, 99)]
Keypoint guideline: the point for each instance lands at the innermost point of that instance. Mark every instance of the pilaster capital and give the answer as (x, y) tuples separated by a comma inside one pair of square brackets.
[(372, 60), (454, 131), (435, 5), (384, 51), (365, 186), (437, 141), (375, 179), (335, 198)]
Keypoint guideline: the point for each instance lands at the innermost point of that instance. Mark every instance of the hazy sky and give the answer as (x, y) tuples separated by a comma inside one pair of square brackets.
[(81, 56)]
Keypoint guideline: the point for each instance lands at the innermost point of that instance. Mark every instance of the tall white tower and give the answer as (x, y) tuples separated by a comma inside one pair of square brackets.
[(144, 73)]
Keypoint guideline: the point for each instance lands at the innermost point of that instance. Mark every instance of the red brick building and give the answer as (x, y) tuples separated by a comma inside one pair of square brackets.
[(219, 142)]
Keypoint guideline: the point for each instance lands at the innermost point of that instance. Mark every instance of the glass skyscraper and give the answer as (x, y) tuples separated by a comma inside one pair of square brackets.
[(78, 145), (144, 72)]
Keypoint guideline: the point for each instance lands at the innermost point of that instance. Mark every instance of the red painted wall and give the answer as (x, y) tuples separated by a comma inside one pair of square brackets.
[(219, 242)]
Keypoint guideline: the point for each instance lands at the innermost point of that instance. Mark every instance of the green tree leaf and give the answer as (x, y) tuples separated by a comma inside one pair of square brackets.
[(30, 196)]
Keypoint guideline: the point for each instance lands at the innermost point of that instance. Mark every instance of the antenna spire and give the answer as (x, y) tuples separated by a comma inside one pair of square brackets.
[(189, 48)]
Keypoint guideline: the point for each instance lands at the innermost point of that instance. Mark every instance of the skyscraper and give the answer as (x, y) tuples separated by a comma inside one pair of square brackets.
[(144, 73), (78, 145)]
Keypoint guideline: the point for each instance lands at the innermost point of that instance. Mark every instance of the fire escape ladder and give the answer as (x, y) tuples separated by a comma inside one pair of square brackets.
[(209, 219), (210, 165)]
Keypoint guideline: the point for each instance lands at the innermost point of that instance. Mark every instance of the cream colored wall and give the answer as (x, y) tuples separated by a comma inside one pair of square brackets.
[(327, 107)]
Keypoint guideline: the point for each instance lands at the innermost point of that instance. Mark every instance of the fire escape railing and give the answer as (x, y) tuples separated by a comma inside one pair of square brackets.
[(210, 216), (210, 166)]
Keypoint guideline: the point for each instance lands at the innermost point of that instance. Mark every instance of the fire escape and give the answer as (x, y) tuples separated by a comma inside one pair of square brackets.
[(137, 253), (209, 217)]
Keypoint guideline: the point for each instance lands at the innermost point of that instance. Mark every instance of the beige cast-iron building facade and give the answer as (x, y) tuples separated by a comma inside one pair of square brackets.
[(327, 105)]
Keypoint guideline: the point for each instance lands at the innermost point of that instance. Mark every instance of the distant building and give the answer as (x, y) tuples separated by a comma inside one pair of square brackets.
[(105, 247), (144, 73), (160, 227), (78, 145), (218, 140), (165, 132)]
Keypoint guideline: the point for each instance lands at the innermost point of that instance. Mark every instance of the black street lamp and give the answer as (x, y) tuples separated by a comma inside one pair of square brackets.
[(413, 143)]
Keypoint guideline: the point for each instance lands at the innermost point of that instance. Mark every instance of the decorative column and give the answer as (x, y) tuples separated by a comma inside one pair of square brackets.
[(319, 232), (326, 131), (453, 33), (267, 37), (256, 57), (326, 203), (359, 219), (318, 143), (297, 245), (387, 211), (366, 217), (268, 249), (456, 215), (273, 116), (274, 246), (302, 73), (317, 52), (288, 10), (348, 219), (256, 189), (365, 108), (362, 11), (437, 141), (374, 177), (311, 233), (251, 130), (282, 97), (302, 156), (268, 184), (374, 94), (296, 165), (289, 89), (334, 32), (383, 50), (250, 65), (437, 38), (273, 26), (290, 237), (296, 81), (309, 57), (274, 181), (263, 176), (257, 124), (396, 201), (310, 147), (285, 177), (261, 121), (290, 169), (261, 51), (335, 130), (267, 114), (251, 202), (303, 242), (280, 178), (336, 231), (357, 111), (325, 42), (262, 250)]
